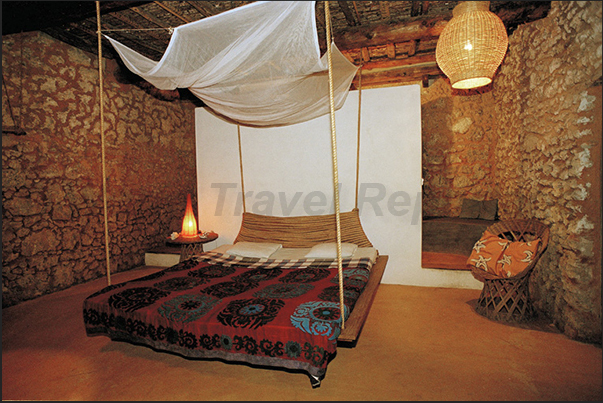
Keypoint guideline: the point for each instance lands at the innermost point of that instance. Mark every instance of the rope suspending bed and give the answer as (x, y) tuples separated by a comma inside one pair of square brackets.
[(334, 158)]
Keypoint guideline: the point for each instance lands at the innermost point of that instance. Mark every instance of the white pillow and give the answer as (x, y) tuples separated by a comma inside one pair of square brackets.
[(254, 249), (328, 250)]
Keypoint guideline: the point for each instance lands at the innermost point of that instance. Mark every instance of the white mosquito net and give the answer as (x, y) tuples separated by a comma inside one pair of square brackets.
[(258, 64)]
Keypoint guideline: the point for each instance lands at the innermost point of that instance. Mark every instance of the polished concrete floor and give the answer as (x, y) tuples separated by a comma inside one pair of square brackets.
[(419, 343)]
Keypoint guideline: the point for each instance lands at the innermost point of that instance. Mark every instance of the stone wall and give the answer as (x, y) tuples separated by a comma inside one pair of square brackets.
[(458, 130), (53, 232), (532, 140), (549, 155)]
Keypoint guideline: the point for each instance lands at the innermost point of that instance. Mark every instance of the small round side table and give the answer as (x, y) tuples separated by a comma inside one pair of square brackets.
[(191, 245)]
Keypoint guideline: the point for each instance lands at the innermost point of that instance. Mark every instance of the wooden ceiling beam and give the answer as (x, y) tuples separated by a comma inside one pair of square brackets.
[(204, 7), (413, 48), (398, 76), (365, 55), (357, 14), (391, 50), (149, 17), (172, 11), (427, 59), (384, 9), (380, 34), (422, 27), (349, 17)]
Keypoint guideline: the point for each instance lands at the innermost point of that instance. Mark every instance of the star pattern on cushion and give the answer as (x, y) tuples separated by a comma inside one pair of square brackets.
[(506, 259), (529, 256), (481, 262), (502, 257), (479, 245)]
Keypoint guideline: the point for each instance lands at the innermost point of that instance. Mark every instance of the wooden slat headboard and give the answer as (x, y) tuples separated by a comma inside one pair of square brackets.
[(302, 231)]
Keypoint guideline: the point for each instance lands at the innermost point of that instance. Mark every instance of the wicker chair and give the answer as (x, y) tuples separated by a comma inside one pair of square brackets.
[(507, 299)]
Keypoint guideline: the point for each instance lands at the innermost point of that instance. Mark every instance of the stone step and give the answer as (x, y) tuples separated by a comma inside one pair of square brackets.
[(162, 256)]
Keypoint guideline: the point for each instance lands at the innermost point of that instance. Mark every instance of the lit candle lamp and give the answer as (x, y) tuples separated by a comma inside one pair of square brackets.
[(189, 223)]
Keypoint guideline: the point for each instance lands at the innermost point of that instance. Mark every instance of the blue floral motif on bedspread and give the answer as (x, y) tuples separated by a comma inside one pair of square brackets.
[(318, 317)]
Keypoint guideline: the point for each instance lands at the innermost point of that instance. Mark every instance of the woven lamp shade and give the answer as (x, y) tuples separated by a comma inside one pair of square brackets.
[(189, 223), (472, 45)]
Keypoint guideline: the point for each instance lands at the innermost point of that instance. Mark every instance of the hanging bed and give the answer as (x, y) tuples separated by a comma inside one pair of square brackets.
[(266, 305), (289, 289)]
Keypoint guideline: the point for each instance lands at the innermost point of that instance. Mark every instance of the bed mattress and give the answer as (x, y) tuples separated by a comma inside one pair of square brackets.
[(279, 312)]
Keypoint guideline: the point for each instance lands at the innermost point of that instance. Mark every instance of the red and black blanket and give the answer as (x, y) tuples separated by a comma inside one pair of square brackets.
[(278, 313)]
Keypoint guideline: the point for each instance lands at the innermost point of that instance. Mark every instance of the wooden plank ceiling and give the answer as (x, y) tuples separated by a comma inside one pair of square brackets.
[(394, 41)]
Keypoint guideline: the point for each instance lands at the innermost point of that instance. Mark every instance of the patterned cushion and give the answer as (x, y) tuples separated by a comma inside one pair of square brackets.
[(516, 258), (500, 256), (487, 252)]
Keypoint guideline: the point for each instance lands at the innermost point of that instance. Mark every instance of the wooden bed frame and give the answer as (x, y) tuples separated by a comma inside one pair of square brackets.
[(353, 326), (307, 231)]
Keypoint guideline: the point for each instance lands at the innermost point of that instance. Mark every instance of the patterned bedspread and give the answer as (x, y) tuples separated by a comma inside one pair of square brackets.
[(278, 313)]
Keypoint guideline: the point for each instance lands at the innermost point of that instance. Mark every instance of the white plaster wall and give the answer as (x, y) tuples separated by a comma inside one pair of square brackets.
[(288, 172)]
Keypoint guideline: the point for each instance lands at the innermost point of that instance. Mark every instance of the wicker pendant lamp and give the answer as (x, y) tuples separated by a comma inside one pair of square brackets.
[(472, 45)]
